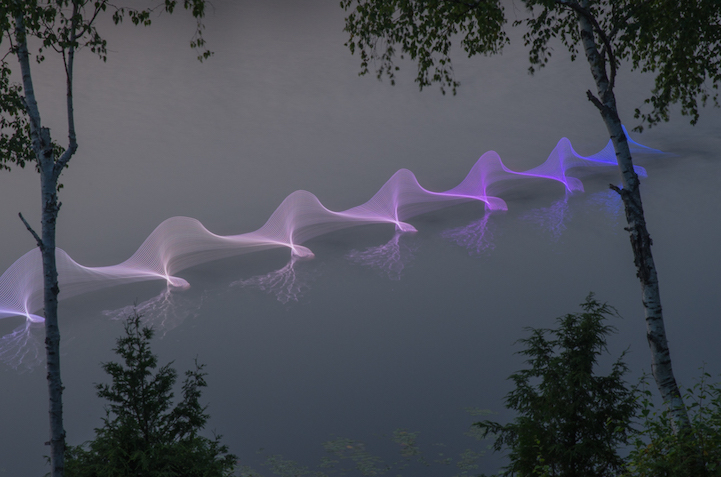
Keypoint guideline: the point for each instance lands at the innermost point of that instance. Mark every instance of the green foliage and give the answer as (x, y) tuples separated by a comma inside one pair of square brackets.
[(681, 48), (351, 457), (15, 144), (63, 26), (658, 452), (552, 19), (570, 421), (423, 30), (143, 433), (143, 17)]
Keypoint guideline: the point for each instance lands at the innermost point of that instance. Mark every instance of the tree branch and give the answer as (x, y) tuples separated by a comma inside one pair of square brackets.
[(62, 161), (475, 4), (596, 102), (39, 241), (607, 47)]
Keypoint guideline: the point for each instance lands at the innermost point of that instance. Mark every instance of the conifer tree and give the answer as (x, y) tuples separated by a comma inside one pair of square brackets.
[(143, 433), (571, 421)]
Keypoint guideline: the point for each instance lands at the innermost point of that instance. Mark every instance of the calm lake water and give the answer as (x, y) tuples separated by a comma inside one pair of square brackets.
[(363, 350)]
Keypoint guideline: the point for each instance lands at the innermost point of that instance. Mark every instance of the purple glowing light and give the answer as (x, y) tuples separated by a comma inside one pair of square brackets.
[(477, 236), (179, 243), (287, 283), (23, 349), (163, 312), (552, 219), (389, 259)]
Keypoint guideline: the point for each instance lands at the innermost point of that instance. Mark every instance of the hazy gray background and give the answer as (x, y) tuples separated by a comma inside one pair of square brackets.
[(279, 108)]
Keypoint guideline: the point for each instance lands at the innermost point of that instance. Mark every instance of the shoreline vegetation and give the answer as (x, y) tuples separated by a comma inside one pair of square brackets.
[(569, 421)]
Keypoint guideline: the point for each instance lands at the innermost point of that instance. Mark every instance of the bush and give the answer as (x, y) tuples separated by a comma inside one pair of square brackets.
[(143, 434), (570, 421), (696, 452)]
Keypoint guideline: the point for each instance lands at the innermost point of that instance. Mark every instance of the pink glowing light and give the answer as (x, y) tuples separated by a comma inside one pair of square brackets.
[(477, 236), (179, 243), (390, 259), (287, 283)]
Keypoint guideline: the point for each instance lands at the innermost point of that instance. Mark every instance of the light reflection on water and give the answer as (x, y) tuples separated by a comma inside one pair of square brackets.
[(552, 219), (286, 284), (389, 259), (478, 236), (163, 312), (24, 348)]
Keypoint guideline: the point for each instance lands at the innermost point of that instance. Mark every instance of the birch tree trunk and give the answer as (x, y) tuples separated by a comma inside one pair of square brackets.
[(50, 168), (49, 23), (50, 208), (640, 238)]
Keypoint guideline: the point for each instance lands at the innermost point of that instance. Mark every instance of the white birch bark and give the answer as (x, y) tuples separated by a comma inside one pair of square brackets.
[(640, 238), (50, 169)]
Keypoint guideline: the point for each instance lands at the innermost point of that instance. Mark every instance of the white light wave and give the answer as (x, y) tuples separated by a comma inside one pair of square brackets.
[(179, 243)]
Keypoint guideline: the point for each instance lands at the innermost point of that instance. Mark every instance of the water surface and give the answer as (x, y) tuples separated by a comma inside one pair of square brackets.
[(363, 350)]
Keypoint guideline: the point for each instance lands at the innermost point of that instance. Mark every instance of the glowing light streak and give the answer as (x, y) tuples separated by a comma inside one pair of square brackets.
[(179, 243)]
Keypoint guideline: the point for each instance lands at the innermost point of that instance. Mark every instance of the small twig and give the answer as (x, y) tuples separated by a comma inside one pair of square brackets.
[(30, 229), (596, 102), (615, 188)]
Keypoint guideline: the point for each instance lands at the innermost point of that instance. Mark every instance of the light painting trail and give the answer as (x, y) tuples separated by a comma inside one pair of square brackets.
[(181, 242)]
